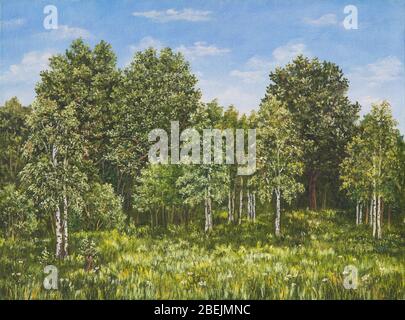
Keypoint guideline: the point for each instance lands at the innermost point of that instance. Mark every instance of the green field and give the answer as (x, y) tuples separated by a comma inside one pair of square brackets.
[(233, 262)]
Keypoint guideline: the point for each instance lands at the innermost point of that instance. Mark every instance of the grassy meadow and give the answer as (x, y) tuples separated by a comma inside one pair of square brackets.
[(242, 262)]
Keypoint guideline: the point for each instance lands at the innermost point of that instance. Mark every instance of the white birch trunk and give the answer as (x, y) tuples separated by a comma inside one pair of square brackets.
[(241, 201), (357, 213), (209, 210), (278, 213), (206, 211), (378, 217), (65, 224), (374, 215), (230, 217), (233, 205), (58, 222), (249, 207), (361, 213), (254, 207), (58, 231)]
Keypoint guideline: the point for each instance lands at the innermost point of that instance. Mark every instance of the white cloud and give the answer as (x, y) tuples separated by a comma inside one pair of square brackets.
[(201, 49), (325, 20), (383, 79), (248, 76), (257, 68), (146, 43), (28, 69), (19, 79), (169, 15), (228, 92), (381, 71), (12, 23), (288, 52), (64, 32)]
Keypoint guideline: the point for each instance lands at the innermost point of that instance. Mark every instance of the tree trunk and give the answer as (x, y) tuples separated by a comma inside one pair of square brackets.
[(357, 213), (230, 208), (254, 207), (366, 213), (313, 176), (249, 205), (58, 220), (58, 231), (278, 213), (374, 216), (208, 211), (233, 204), (65, 224), (378, 218), (361, 213), (241, 200), (382, 211), (389, 216)]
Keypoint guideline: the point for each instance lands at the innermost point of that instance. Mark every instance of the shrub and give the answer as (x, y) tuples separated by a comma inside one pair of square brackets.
[(17, 213), (102, 210)]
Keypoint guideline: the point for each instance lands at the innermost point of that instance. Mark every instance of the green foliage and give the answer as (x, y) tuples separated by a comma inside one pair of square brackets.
[(13, 135), (280, 152), (373, 157), (315, 93), (102, 210), (155, 89), (17, 213), (54, 157)]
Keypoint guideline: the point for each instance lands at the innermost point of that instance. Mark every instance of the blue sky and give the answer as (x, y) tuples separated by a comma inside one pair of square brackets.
[(232, 45)]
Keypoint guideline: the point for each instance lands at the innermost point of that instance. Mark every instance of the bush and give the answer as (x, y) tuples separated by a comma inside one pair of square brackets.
[(17, 213), (102, 210)]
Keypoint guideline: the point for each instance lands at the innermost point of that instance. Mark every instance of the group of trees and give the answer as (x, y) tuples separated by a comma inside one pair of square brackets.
[(372, 172), (78, 157)]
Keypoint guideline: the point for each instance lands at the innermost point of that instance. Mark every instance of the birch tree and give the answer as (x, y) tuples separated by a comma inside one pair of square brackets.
[(355, 174), (206, 182), (370, 169), (279, 155), (54, 174), (381, 132)]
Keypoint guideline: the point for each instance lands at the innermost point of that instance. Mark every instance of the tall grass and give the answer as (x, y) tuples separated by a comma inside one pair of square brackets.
[(234, 262)]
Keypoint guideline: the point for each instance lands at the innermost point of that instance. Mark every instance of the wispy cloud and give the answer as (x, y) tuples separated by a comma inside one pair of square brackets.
[(201, 49), (145, 43), (169, 15), (257, 68), (382, 79), (245, 88), (28, 69), (20, 78), (12, 23), (64, 32), (379, 72), (325, 20)]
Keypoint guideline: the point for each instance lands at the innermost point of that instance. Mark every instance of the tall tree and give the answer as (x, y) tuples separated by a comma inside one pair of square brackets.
[(370, 169), (230, 120), (381, 132), (279, 154), (315, 93), (85, 79), (204, 183), (156, 88), (54, 175), (13, 135)]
